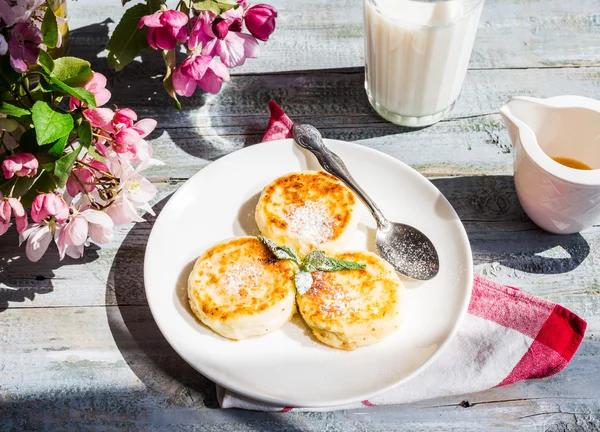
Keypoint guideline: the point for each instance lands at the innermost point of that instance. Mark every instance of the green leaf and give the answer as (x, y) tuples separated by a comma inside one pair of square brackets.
[(43, 183), (127, 40), (55, 149), (314, 260), (12, 110), (8, 125), (209, 5), (169, 58), (91, 151), (50, 125), (303, 281), (72, 71), (62, 168), (281, 252), (84, 132), (46, 62), (83, 95), (332, 264), (50, 29)]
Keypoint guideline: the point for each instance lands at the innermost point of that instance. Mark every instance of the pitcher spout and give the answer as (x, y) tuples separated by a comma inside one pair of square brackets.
[(521, 115)]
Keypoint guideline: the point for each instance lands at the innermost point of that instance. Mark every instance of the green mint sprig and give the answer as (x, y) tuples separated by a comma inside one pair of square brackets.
[(315, 260)]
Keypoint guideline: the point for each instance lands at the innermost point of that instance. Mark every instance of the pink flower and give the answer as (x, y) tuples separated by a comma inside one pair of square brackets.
[(21, 165), (12, 13), (135, 192), (49, 204), (99, 117), (74, 234), (222, 36), (38, 237), (260, 21), (8, 206), (83, 178), (199, 70), (126, 132), (24, 46), (166, 28), (97, 86)]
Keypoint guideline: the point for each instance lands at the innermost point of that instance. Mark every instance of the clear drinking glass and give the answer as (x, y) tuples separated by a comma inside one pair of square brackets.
[(416, 56)]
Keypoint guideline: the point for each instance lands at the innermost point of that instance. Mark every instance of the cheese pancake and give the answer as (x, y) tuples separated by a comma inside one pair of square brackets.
[(353, 308), (238, 289), (309, 210)]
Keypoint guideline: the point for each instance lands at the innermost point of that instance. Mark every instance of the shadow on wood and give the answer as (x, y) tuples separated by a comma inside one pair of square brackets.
[(21, 280), (500, 231)]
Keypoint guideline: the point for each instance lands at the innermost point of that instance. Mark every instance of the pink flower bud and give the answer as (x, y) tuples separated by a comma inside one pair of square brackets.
[(82, 180), (220, 28), (165, 28), (260, 21), (49, 204), (21, 165)]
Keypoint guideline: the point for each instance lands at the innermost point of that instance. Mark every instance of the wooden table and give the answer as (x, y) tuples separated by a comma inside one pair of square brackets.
[(78, 346)]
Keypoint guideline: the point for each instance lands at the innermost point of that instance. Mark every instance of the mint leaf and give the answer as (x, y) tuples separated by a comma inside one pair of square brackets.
[(50, 125), (62, 168), (46, 62), (127, 41), (314, 260), (72, 71), (12, 110), (50, 29), (303, 281), (281, 252), (332, 264), (84, 132)]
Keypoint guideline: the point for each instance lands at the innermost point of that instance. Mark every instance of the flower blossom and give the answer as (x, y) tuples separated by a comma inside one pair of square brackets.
[(83, 177), (222, 36), (8, 206), (17, 12), (24, 46), (165, 28), (97, 86), (21, 165), (199, 70), (73, 235), (260, 21), (49, 205)]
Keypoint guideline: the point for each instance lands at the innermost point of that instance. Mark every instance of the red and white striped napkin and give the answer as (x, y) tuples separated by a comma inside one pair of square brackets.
[(507, 336)]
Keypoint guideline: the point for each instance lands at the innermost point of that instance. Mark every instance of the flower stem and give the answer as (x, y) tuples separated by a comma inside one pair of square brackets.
[(12, 189)]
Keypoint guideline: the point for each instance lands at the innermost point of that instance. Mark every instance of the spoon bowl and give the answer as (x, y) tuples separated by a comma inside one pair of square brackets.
[(407, 249)]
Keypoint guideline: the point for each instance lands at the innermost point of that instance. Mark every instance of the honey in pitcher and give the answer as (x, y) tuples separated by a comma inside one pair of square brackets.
[(572, 163)]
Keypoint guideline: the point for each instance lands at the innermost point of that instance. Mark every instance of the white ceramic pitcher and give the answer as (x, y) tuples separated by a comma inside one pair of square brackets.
[(557, 198)]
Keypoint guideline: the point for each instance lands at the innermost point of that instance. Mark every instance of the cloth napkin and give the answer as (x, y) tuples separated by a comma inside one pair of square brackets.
[(507, 336)]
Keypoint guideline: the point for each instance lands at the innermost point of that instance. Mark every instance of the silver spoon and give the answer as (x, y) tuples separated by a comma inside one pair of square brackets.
[(406, 248)]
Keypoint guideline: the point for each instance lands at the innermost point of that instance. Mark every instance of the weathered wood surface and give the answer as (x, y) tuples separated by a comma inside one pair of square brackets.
[(316, 34), (78, 345)]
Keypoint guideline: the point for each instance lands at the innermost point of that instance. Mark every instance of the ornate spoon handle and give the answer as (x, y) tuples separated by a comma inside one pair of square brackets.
[(310, 138)]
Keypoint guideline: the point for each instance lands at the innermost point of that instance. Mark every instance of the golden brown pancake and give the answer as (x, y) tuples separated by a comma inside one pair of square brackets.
[(309, 210), (353, 308), (238, 289)]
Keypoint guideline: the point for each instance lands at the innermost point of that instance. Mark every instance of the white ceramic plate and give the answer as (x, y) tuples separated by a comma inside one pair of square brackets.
[(289, 367)]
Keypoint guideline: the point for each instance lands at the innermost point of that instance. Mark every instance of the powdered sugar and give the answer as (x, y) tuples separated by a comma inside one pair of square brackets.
[(336, 301), (310, 221), (242, 276)]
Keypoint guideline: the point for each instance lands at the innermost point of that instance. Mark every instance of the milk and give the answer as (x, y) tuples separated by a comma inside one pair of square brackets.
[(416, 56)]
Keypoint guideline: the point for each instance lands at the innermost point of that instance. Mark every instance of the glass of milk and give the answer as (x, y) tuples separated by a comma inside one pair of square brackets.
[(416, 56)]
